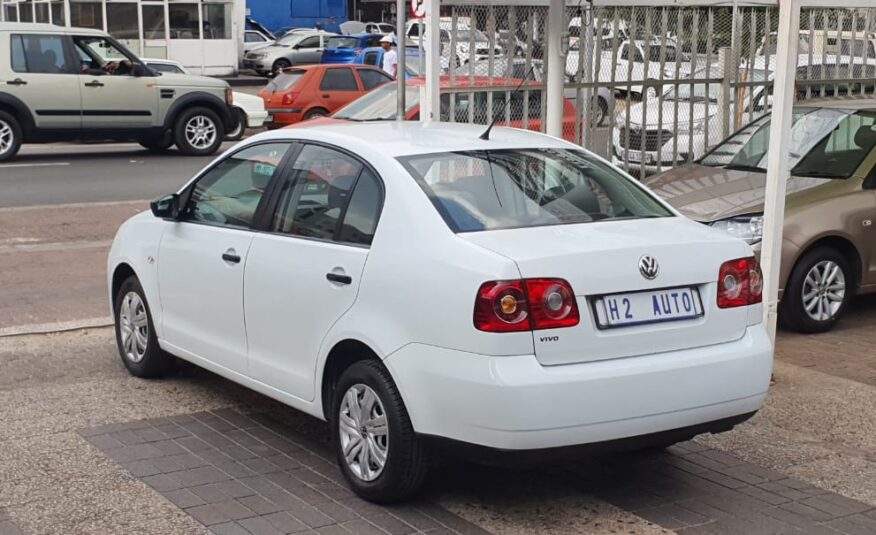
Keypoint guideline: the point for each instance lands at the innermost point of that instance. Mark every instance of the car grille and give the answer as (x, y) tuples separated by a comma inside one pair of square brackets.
[(647, 140), (482, 51)]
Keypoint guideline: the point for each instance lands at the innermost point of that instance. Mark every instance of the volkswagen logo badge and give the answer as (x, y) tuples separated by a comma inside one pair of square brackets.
[(648, 267)]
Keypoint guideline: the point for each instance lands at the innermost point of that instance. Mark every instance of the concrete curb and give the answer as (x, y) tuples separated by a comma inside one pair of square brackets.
[(56, 327)]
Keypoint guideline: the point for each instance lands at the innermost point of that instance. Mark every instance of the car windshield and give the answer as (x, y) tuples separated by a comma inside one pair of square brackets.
[(501, 189), (283, 81), (825, 143), (342, 42), (694, 92), (380, 104), (290, 39)]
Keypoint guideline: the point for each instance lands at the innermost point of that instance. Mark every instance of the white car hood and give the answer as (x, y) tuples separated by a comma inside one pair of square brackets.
[(652, 116)]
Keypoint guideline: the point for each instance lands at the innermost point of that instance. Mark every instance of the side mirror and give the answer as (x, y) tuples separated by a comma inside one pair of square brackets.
[(166, 207)]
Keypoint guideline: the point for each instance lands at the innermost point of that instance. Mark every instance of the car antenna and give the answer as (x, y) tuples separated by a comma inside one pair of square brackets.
[(486, 135)]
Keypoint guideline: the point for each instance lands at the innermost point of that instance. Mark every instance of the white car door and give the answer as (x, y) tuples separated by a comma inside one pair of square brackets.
[(304, 274), (202, 256)]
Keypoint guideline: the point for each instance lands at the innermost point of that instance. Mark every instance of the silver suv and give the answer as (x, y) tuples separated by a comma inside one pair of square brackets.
[(64, 84)]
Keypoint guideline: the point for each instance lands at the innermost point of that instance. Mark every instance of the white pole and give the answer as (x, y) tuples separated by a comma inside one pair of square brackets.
[(556, 68), (431, 104), (400, 12), (777, 158)]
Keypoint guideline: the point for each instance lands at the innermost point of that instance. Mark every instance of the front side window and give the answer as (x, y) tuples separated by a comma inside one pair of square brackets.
[(498, 189), (310, 42), (338, 80), (841, 153), (372, 78), (315, 195), (100, 56), (229, 193), (40, 54)]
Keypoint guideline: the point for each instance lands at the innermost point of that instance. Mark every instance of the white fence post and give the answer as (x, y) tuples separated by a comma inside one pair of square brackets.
[(725, 92), (556, 68), (430, 105)]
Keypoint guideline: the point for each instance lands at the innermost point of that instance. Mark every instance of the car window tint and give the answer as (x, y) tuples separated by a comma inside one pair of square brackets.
[(40, 54), (370, 58), (360, 220), (338, 80), (252, 37), (372, 78), (165, 67), (374, 40), (840, 154), (310, 42), (229, 194), (315, 192)]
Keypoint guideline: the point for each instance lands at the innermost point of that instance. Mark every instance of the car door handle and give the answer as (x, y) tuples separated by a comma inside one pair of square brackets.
[(17, 81), (231, 257), (94, 84), (339, 278), (326, 96)]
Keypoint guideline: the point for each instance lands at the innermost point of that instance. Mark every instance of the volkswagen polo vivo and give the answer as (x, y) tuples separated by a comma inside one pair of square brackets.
[(410, 283)]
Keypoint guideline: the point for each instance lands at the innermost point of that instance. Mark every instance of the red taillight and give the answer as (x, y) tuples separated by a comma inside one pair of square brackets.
[(524, 305), (740, 283), (290, 97)]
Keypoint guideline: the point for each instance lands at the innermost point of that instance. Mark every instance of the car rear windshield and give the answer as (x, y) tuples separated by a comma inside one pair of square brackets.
[(285, 80), (825, 143), (518, 188), (342, 42), (380, 104)]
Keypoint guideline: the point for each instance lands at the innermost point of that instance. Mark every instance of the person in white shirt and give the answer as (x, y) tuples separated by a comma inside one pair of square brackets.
[(390, 56)]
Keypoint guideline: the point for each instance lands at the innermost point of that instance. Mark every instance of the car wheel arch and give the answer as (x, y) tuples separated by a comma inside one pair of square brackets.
[(205, 100), (121, 273), (17, 109), (841, 244), (342, 355)]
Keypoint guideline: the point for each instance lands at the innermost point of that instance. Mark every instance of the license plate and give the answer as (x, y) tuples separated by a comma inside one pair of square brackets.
[(639, 308)]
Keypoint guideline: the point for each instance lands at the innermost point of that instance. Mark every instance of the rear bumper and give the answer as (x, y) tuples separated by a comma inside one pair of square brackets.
[(281, 117), (515, 403)]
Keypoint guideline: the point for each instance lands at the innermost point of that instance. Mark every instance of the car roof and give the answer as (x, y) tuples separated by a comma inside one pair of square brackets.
[(408, 138), (46, 28)]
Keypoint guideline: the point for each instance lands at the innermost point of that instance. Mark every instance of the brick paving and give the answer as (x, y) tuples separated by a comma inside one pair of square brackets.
[(241, 474), (692, 489), (6, 525), (847, 351)]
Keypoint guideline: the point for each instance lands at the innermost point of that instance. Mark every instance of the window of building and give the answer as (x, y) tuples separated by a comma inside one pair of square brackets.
[(183, 21), (84, 14), (121, 20), (25, 11), (41, 12), (10, 13), (57, 9), (153, 22), (217, 21)]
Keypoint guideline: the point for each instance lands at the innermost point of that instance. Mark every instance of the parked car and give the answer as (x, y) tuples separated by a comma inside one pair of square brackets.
[(845, 43), (253, 39), (414, 284), (250, 109), (293, 49), (310, 91), (463, 39), (630, 65), (383, 28), (828, 249), (346, 48), (380, 105), (374, 56), (603, 100), (75, 84)]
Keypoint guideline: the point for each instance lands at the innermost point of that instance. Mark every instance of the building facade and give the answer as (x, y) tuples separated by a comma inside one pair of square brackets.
[(203, 35)]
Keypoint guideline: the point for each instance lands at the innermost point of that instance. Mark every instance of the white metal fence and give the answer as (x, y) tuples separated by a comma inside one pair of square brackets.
[(649, 87)]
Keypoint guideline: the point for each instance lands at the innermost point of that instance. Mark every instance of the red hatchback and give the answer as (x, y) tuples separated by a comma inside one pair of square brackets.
[(308, 91)]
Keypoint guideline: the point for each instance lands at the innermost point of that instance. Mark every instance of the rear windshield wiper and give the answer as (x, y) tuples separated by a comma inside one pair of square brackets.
[(742, 167)]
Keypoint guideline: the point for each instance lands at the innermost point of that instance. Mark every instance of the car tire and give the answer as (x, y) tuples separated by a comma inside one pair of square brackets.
[(10, 136), (279, 65), (135, 333), (405, 461), (240, 129), (198, 132), (600, 111), (811, 303), (316, 112), (158, 145)]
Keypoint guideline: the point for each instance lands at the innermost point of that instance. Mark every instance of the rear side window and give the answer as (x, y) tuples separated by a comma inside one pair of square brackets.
[(285, 80), (370, 58), (338, 80), (499, 189), (45, 54), (360, 219), (372, 78)]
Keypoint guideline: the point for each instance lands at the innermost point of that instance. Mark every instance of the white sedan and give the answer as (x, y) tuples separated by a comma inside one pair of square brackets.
[(250, 108), (407, 282)]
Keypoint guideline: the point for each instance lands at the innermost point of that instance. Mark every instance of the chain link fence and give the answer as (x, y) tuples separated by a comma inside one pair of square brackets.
[(647, 87)]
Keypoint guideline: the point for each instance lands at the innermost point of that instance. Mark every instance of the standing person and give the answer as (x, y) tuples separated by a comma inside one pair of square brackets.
[(390, 56)]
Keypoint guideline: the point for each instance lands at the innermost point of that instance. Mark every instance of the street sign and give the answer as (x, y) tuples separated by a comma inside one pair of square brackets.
[(418, 8)]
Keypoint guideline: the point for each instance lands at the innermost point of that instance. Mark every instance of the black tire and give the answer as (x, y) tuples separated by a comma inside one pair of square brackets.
[(153, 361), (237, 133), (158, 145), (316, 112), (792, 310), (279, 65), (181, 139), (406, 460), (11, 136)]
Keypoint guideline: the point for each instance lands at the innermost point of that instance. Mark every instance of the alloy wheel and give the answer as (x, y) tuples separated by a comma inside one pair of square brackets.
[(824, 290), (134, 327), (200, 132), (364, 433), (6, 137)]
